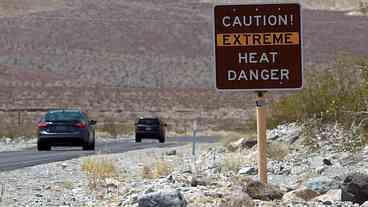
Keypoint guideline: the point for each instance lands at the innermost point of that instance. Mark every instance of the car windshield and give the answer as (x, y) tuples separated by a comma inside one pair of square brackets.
[(149, 121), (63, 116)]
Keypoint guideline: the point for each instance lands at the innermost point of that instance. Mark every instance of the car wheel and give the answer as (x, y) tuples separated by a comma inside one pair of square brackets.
[(90, 144), (138, 139), (43, 147)]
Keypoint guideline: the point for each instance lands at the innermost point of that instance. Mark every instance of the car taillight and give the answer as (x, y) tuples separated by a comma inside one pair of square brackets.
[(42, 125), (80, 125)]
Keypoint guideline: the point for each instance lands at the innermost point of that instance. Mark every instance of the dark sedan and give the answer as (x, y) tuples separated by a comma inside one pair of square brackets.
[(66, 128), (151, 128)]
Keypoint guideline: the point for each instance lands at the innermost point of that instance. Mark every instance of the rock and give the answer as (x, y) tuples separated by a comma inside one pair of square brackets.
[(241, 144), (149, 190), (321, 184), (171, 152), (248, 171), (221, 150), (303, 194), (237, 198), (327, 162), (327, 203), (320, 170), (258, 190), (162, 199), (355, 188), (293, 139), (38, 195), (198, 181), (365, 204), (64, 165), (7, 140), (112, 185), (249, 144), (289, 133), (233, 146), (332, 195)]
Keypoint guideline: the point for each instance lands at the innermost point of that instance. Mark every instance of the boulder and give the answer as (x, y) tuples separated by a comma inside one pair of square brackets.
[(355, 188), (249, 144), (327, 162), (332, 195), (237, 198), (303, 194), (365, 204), (248, 171), (171, 152), (172, 198), (242, 143), (321, 184), (199, 181), (258, 190)]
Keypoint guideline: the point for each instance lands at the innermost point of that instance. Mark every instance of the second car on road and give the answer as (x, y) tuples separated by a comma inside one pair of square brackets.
[(151, 128)]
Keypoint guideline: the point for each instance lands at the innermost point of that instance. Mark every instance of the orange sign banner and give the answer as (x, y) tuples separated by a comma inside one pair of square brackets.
[(257, 39)]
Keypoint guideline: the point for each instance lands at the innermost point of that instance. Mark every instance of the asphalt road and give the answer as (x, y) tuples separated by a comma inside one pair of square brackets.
[(30, 157)]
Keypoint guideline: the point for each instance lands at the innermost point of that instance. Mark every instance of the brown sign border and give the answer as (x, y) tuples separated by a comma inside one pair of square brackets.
[(214, 47)]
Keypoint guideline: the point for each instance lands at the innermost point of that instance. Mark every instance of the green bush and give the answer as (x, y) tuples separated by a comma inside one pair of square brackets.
[(337, 94), (333, 94)]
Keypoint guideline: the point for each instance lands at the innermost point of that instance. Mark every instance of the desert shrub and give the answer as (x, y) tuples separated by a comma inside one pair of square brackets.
[(354, 140), (160, 168), (363, 7), (98, 169), (11, 131), (147, 172), (232, 162), (67, 184), (334, 95), (310, 129), (329, 95)]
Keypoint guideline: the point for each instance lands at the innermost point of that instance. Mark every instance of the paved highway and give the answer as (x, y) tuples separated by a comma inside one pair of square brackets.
[(30, 157)]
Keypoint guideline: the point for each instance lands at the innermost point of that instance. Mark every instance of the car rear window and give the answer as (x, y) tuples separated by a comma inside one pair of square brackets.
[(149, 121), (63, 116)]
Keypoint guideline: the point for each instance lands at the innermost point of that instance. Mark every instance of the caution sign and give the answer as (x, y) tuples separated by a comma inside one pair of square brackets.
[(258, 47)]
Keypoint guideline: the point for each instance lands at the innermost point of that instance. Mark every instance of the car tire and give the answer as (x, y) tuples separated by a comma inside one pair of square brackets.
[(43, 147), (161, 139), (90, 144), (138, 139)]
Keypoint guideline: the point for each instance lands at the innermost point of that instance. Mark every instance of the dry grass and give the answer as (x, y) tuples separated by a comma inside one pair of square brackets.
[(67, 184), (98, 169), (12, 130), (115, 129), (18, 7), (159, 168), (232, 162), (147, 172)]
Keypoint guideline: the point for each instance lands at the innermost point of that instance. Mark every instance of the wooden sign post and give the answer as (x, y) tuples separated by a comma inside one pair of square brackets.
[(258, 47), (262, 137)]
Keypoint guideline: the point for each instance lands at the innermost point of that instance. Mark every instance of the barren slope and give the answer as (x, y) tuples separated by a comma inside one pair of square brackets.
[(86, 47)]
